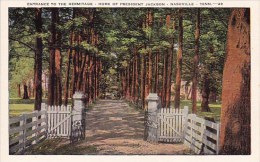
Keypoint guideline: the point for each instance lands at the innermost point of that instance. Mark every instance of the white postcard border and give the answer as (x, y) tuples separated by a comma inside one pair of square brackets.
[(255, 86)]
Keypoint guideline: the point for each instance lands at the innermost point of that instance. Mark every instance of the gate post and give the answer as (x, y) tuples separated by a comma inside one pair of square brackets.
[(78, 117), (151, 124)]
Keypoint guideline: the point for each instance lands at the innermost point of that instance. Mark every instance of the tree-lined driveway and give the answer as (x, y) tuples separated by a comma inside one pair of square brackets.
[(113, 127)]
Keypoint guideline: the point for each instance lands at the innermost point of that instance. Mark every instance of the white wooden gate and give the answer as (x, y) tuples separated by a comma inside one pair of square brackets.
[(171, 124), (59, 120)]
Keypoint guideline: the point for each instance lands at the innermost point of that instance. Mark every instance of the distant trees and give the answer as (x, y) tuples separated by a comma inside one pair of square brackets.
[(195, 61), (138, 44)]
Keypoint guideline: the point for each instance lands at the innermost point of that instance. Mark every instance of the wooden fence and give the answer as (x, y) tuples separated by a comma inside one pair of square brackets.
[(26, 130), (202, 136)]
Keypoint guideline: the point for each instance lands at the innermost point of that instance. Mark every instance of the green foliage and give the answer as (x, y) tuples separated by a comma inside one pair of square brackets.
[(120, 32), (168, 32), (165, 44), (88, 47), (143, 51), (212, 47)]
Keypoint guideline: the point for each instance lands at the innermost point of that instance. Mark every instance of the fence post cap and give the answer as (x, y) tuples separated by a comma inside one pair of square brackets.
[(78, 95), (152, 97)]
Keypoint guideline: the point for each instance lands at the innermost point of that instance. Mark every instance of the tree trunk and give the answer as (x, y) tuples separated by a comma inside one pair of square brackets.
[(128, 83), (29, 89), (72, 85), (87, 79), (100, 77), (66, 89), (137, 67), (169, 77), (213, 96), (164, 81), (58, 91), (170, 64), (143, 77), (85, 76), (95, 78), (205, 94), (90, 81), (45, 86), (38, 61), (148, 57), (19, 90), (195, 65), (156, 71), (123, 78), (25, 91), (79, 64), (149, 79), (179, 62), (52, 87), (133, 76), (235, 136), (186, 88)]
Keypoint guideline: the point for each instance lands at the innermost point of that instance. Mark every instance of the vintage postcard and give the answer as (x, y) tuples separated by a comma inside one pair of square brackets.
[(168, 80)]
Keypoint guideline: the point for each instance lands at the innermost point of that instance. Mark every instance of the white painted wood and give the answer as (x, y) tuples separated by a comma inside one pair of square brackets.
[(28, 132), (49, 119), (15, 119), (21, 133), (34, 127), (209, 144), (60, 121), (211, 124), (218, 133), (170, 124), (211, 135), (208, 152), (196, 134)]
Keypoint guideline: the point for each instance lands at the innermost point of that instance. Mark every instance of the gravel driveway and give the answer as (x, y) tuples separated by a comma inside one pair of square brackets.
[(113, 127)]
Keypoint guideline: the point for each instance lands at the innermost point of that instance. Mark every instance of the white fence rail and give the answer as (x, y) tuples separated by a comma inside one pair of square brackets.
[(202, 136), (26, 130)]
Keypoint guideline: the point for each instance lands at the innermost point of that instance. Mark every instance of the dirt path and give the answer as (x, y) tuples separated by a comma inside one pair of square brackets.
[(115, 128), (112, 127)]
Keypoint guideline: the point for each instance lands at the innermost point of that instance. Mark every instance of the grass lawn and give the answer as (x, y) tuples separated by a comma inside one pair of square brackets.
[(18, 109), (19, 106), (215, 109)]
